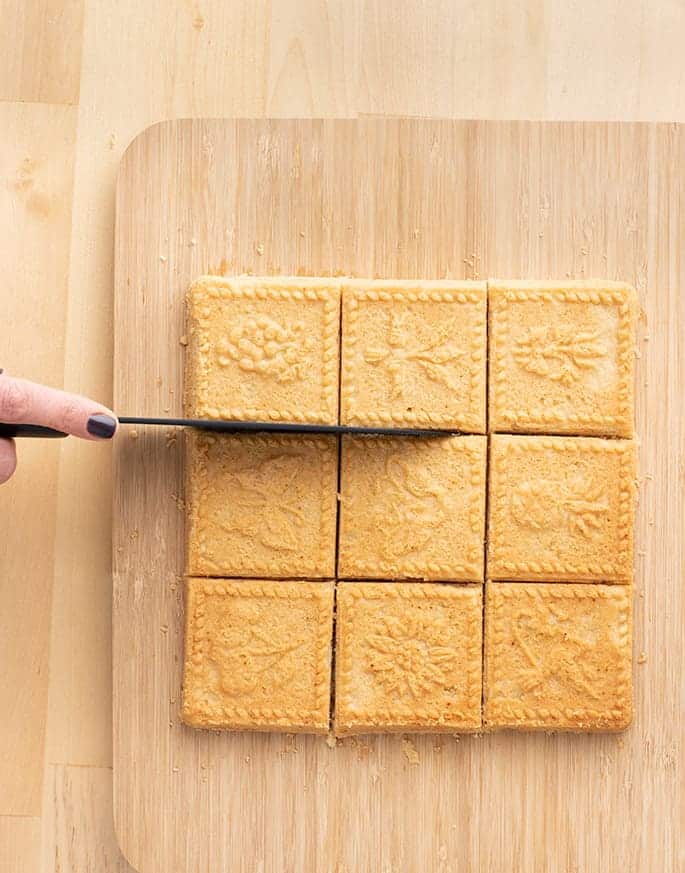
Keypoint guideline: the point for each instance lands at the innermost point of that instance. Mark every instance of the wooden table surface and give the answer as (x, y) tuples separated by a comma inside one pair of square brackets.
[(78, 80)]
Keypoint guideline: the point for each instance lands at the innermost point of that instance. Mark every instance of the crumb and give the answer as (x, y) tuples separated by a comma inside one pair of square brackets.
[(338, 497), (134, 534), (164, 628), (163, 258), (112, 140), (331, 741), (642, 658), (409, 750), (247, 759), (648, 477), (302, 233), (259, 248), (184, 340), (159, 381), (620, 742), (133, 434), (193, 242), (175, 769)]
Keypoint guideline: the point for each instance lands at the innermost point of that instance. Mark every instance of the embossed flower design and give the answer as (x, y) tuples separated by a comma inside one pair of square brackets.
[(411, 655), (435, 358), (261, 345), (558, 353), (577, 504), (257, 515)]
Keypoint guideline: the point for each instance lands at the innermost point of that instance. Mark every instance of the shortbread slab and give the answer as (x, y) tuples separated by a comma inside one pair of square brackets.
[(557, 656), (561, 508), (263, 349), (261, 505), (412, 508), (408, 657), (562, 357), (258, 655), (414, 353)]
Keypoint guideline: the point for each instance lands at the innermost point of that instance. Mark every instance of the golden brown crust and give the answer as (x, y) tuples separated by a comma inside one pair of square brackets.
[(557, 656), (412, 508), (561, 508), (414, 353), (257, 655), (261, 505), (263, 349), (562, 357), (408, 657)]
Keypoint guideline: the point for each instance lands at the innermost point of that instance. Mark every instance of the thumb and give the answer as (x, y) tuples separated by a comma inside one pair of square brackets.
[(25, 402)]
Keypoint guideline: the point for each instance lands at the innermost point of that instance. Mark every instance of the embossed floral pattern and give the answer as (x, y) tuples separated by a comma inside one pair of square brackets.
[(261, 345), (577, 504), (435, 357), (411, 655), (251, 497), (560, 354)]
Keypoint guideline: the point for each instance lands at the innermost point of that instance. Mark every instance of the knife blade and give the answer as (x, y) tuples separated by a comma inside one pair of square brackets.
[(35, 430)]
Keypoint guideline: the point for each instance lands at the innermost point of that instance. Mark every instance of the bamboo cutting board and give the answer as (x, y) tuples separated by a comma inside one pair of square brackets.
[(410, 199)]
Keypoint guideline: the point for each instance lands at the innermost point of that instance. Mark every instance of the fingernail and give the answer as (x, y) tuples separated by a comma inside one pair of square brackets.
[(101, 426)]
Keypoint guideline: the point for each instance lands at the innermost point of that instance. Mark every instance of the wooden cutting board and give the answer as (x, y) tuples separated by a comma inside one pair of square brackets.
[(393, 198)]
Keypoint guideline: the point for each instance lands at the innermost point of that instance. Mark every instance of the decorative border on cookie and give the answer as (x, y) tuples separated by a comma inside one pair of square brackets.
[(197, 483), (399, 717), (502, 570), (622, 296), (495, 636), (386, 291), (238, 716), (278, 288), (408, 568)]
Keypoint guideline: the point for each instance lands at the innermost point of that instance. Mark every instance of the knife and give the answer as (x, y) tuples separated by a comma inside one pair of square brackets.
[(36, 430)]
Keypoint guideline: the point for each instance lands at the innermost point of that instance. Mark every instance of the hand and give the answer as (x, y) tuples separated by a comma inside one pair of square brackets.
[(24, 402)]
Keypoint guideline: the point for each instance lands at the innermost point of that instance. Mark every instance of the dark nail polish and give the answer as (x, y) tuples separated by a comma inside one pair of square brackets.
[(101, 426)]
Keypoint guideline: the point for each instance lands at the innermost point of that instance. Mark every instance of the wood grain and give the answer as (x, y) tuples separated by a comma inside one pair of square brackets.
[(42, 64), (77, 830), (408, 199), (36, 163), (553, 59), (19, 844)]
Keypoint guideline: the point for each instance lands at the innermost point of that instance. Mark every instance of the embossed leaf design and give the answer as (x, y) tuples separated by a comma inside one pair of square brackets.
[(410, 655), (263, 346), (577, 503), (560, 354), (276, 527), (414, 504), (248, 645), (545, 628), (435, 358)]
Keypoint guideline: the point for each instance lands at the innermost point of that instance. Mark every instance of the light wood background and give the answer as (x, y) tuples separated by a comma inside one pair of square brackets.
[(411, 198), (78, 80)]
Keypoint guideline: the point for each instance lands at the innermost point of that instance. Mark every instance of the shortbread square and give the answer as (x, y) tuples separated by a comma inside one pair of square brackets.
[(264, 349), (561, 508), (258, 655), (562, 357), (557, 656), (261, 505), (412, 508), (414, 353), (408, 657)]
